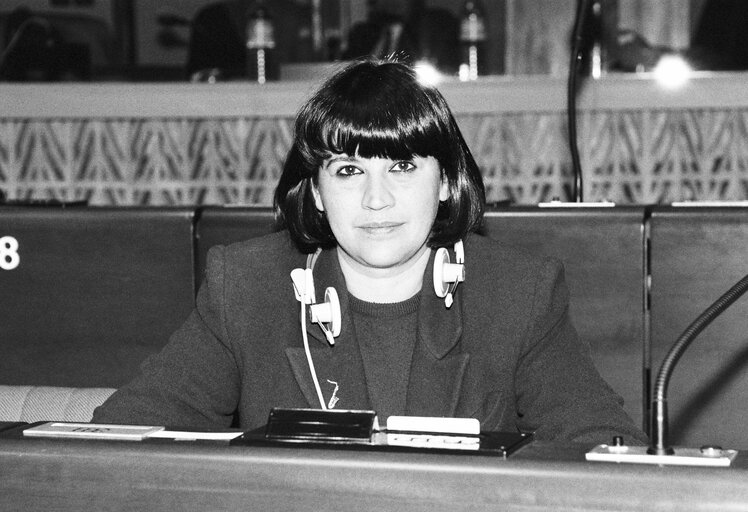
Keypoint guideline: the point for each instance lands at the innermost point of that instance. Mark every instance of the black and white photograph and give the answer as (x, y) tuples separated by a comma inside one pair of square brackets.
[(408, 255)]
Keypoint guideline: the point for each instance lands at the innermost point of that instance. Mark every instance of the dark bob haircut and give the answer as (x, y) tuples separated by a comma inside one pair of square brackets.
[(377, 108)]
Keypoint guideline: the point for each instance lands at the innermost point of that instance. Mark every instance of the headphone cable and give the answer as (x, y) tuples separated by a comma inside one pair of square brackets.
[(308, 353)]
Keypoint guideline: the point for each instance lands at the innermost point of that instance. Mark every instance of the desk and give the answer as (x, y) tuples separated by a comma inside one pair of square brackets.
[(43, 474)]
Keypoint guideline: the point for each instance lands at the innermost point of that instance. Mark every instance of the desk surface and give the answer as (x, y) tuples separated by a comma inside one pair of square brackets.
[(43, 474)]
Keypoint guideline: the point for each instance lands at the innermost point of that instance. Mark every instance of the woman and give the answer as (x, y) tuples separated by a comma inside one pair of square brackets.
[(377, 179)]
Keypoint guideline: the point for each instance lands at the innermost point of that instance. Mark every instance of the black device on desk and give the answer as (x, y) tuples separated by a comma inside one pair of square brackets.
[(361, 430), (308, 428)]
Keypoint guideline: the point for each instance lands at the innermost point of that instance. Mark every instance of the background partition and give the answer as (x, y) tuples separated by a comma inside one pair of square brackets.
[(217, 225), (95, 291), (697, 255), (603, 253)]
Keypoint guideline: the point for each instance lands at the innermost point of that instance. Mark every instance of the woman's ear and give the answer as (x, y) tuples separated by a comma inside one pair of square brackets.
[(444, 188), (317, 197)]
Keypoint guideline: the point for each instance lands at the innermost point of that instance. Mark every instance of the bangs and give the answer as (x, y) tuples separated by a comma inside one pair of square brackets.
[(378, 132), (377, 118)]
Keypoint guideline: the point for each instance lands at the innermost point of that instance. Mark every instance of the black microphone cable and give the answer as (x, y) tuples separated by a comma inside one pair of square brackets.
[(571, 98)]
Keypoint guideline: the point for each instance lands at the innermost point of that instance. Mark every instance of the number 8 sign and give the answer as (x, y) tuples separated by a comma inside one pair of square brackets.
[(9, 257)]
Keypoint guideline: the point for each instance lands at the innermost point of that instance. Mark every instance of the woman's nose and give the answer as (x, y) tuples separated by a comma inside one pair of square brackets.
[(377, 193)]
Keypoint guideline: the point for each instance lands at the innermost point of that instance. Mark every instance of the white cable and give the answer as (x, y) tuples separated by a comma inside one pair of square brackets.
[(309, 356)]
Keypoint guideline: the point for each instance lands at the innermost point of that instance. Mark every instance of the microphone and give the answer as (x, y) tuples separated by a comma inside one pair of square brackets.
[(576, 48), (659, 431), (659, 451), (572, 91)]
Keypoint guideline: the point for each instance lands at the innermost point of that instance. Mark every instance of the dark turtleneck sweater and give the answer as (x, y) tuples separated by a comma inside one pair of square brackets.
[(387, 336)]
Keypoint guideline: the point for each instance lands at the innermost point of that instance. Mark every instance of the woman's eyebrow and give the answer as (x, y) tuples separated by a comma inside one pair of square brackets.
[(340, 158)]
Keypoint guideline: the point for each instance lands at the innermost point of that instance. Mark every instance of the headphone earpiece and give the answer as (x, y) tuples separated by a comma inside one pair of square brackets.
[(327, 315), (448, 275), (303, 285), (459, 249)]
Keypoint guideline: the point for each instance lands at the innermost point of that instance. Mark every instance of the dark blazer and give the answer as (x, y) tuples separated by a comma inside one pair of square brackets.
[(505, 352)]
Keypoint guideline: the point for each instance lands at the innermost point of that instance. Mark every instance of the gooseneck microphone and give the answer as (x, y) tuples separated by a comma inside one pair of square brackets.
[(571, 97), (659, 431), (659, 451)]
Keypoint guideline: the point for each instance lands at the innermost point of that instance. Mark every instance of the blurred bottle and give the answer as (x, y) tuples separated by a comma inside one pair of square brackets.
[(599, 44), (472, 40), (597, 50), (261, 61), (317, 32)]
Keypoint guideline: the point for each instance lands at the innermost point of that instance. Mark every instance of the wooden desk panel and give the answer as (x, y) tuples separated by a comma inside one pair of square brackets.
[(99, 475), (217, 225), (97, 290), (603, 253)]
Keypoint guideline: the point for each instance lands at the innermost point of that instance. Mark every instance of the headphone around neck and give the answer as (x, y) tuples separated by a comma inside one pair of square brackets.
[(327, 314)]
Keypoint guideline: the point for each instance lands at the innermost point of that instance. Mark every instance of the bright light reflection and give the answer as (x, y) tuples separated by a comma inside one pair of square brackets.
[(427, 74), (464, 73), (672, 71)]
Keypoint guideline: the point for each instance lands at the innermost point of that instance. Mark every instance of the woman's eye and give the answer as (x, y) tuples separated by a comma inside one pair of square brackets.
[(403, 167), (348, 170)]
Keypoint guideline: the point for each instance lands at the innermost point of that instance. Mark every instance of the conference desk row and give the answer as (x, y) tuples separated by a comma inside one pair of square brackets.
[(97, 290), (72, 475)]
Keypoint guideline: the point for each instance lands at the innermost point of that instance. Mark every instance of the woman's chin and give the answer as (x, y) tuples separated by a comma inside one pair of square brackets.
[(384, 258)]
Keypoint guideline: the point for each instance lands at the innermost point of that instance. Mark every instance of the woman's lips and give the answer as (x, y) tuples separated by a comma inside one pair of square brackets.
[(380, 228)]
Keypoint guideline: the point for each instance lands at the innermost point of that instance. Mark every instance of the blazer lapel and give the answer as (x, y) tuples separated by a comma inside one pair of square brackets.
[(437, 369), (339, 368)]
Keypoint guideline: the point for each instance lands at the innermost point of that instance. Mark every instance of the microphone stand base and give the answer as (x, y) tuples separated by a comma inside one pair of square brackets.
[(706, 456)]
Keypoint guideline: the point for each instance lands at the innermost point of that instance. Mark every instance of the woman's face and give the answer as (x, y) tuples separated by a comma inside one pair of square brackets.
[(381, 211)]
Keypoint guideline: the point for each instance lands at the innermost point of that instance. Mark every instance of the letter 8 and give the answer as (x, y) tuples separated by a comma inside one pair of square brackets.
[(9, 257)]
